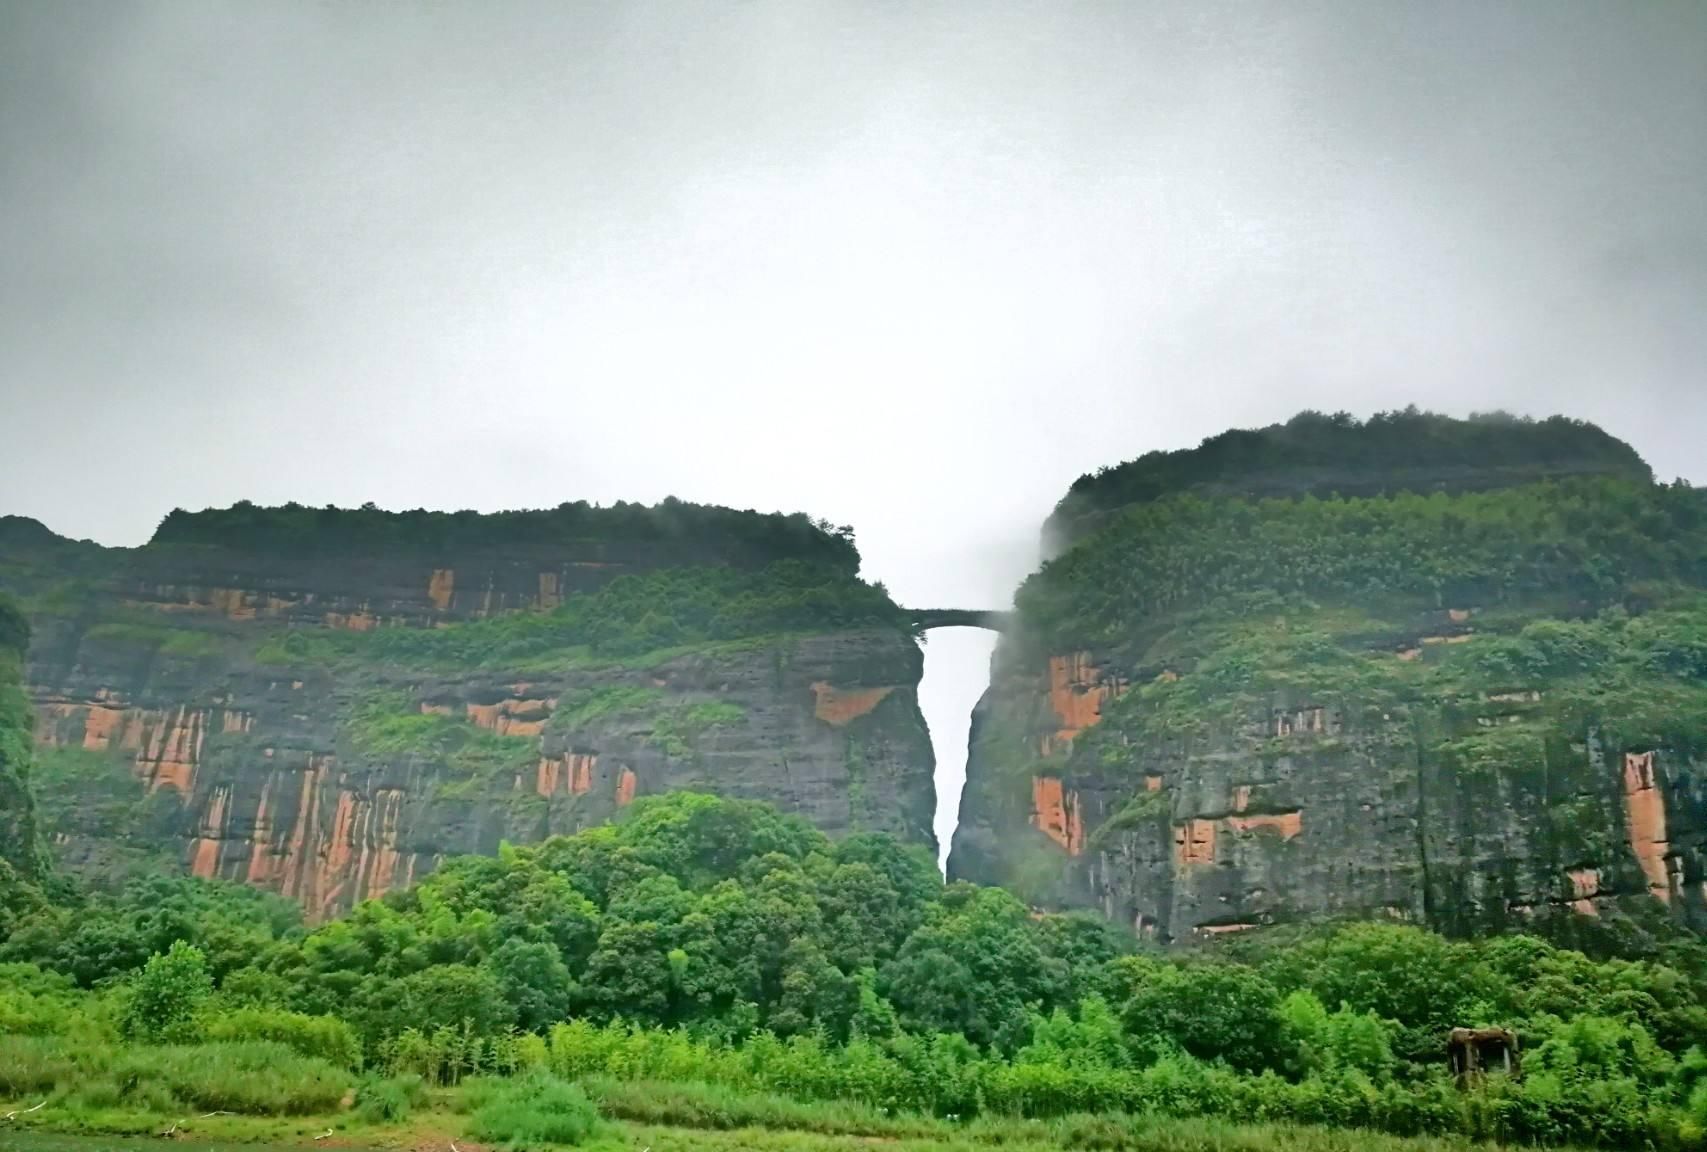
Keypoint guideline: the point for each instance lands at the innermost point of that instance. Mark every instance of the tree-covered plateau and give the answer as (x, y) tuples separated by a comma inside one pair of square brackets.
[(1315, 453), (673, 532)]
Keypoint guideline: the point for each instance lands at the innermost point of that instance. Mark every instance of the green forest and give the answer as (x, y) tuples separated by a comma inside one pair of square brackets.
[(1571, 545), (745, 961), (710, 964), (671, 532), (1321, 454)]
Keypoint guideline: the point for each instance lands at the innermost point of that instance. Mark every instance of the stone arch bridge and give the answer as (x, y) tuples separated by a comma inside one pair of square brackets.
[(924, 619)]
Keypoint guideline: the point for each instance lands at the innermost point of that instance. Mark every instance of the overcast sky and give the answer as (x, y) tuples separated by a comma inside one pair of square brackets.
[(912, 267)]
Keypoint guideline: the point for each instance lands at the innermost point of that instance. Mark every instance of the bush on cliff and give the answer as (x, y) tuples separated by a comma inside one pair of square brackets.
[(633, 615)]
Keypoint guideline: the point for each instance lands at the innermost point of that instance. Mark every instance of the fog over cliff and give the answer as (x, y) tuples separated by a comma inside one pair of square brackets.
[(912, 268)]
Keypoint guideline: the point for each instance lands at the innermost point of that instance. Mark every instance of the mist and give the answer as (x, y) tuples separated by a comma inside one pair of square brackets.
[(911, 268)]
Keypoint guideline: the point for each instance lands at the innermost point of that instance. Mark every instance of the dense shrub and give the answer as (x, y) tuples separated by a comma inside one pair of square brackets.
[(166, 997), (35, 1064), (325, 1037), (532, 1112), (22, 859), (389, 1100)]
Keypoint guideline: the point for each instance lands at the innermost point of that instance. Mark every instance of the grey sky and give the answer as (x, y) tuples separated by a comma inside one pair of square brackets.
[(909, 266)]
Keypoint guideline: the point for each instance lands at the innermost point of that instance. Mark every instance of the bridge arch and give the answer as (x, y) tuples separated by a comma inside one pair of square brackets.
[(924, 619)]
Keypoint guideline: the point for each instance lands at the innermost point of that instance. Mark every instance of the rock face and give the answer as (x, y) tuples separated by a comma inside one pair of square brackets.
[(1478, 705), (331, 720)]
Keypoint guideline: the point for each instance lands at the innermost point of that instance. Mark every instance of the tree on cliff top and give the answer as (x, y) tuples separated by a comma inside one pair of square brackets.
[(671, 533), (1410, 450), (22, 862)]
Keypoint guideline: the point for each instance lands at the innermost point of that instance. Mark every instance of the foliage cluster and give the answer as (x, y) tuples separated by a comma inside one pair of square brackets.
[(389, 1099), (1318, 453), (94, 936), (532, 1111), (138, 632), (670, 533), (1494, 702), (631, 616), (48, 574), (1580, 541), (95, 797), (679, 730), (715, 942), (22, 861), (384, 727)]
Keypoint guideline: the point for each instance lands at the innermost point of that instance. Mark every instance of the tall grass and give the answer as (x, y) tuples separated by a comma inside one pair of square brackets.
[(718, 1108), (947, 1077), (769, 1081), (325, 1037), (262, 1079)]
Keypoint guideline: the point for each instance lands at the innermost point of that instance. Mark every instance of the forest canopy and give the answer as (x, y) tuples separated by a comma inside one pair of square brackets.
[(716, 942), (1408, 450), (671, 532), (1586, 540)]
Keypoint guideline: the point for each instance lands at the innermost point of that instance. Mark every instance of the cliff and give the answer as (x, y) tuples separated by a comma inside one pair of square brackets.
[(328, 702), (1341, 669)]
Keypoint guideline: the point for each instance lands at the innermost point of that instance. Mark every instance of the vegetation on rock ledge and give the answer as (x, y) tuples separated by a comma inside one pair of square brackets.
[(633, 615), (1328, 454), (671, 533), (1582, 542)]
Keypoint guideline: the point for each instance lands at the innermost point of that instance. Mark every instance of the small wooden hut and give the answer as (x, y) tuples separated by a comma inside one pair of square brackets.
[(1474, 1052)]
